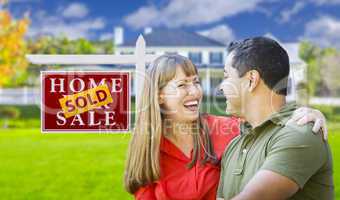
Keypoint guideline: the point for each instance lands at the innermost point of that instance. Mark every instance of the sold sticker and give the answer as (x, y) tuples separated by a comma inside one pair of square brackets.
[(85, 101)]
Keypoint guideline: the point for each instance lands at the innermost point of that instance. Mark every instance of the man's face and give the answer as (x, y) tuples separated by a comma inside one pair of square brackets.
[(234, 88)]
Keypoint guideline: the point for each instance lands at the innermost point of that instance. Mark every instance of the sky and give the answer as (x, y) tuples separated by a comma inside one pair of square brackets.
[(225, 20)]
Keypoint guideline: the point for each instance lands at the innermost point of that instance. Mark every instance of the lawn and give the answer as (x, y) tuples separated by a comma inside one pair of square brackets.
[(61, 166), (76, 166)]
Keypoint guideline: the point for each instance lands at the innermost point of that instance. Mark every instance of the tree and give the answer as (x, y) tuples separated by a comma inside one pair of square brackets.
[(62, 45), (83, 46), (330, 72), (321, 69), (310, 54), (13, 63), (104, 47)]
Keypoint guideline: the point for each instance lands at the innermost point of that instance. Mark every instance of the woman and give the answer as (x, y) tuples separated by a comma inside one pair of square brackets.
[(175, 151)]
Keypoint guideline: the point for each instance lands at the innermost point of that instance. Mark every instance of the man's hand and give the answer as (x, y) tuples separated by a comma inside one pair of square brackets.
[(304, 115)]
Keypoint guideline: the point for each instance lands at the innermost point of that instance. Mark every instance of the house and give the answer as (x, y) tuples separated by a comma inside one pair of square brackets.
[(298, 71), (207, 54)]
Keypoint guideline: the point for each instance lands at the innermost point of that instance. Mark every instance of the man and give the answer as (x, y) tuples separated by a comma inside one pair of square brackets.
[(270, 160)]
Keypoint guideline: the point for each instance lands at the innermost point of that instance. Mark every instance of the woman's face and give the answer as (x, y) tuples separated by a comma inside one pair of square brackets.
[(180, 97)]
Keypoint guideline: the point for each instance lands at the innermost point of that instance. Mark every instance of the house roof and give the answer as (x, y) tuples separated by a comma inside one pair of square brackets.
[(174, 38)]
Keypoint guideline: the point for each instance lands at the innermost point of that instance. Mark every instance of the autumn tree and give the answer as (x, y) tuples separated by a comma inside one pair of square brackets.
[(12, 47)]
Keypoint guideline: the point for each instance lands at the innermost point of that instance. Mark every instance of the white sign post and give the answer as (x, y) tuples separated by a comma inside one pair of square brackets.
[(139, 59)]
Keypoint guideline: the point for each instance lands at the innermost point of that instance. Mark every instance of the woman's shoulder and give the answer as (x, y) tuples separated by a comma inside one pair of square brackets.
[(222, 130), (221, 124)]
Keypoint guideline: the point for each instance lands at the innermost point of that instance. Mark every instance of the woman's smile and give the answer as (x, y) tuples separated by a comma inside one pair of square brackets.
[(192, 105)]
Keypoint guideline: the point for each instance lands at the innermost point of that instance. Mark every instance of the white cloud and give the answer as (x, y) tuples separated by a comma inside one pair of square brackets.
[(144, 16), (189, 12), (287, 14), (221, 33), (56, 26), (75, 10), (325, 2), (106, 36), (323, 31), (271, 36)]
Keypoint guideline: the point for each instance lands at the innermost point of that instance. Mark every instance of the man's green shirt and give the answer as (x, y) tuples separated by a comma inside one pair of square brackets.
[(289, 150)]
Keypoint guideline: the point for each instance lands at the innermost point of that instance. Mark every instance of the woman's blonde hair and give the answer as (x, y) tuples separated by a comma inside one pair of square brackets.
[(142, 164)]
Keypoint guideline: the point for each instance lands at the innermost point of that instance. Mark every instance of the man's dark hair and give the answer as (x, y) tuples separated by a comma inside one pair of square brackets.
[(264, 55)]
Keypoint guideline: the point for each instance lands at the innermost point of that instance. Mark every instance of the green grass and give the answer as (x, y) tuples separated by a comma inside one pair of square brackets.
[(334, 141), (77, 166), (60, 166)]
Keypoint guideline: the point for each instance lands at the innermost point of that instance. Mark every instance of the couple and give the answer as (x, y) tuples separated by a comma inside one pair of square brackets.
[(258, 153)]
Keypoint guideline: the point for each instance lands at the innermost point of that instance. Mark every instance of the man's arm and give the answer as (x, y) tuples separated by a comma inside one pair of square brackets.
[(268, 185), (292, 159)]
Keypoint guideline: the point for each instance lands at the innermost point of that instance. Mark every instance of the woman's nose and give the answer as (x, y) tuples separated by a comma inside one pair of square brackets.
[(193, 89)]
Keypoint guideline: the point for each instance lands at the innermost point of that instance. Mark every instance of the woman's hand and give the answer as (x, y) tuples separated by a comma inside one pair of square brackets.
[(304, 115)]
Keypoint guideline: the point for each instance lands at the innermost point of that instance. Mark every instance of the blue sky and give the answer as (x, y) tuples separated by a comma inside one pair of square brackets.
[(224, 20)]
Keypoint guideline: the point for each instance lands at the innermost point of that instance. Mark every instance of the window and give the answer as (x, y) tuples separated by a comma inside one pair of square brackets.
[(195, 57), (216, 57), (126, 53), (150, 53), (170, 52)]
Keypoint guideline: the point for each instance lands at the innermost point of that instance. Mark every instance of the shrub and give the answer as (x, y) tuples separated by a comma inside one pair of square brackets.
[(9, 112), (332, 113)]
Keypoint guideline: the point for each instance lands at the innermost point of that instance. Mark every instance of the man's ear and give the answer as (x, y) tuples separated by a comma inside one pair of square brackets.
[(254, 80), (161, 99)]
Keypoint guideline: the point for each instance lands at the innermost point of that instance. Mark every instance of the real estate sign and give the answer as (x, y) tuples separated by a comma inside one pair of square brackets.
[(85, 101)]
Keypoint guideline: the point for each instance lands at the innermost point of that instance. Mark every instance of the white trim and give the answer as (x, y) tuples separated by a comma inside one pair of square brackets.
[(140, 69), (172, 48), (332, 101)]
